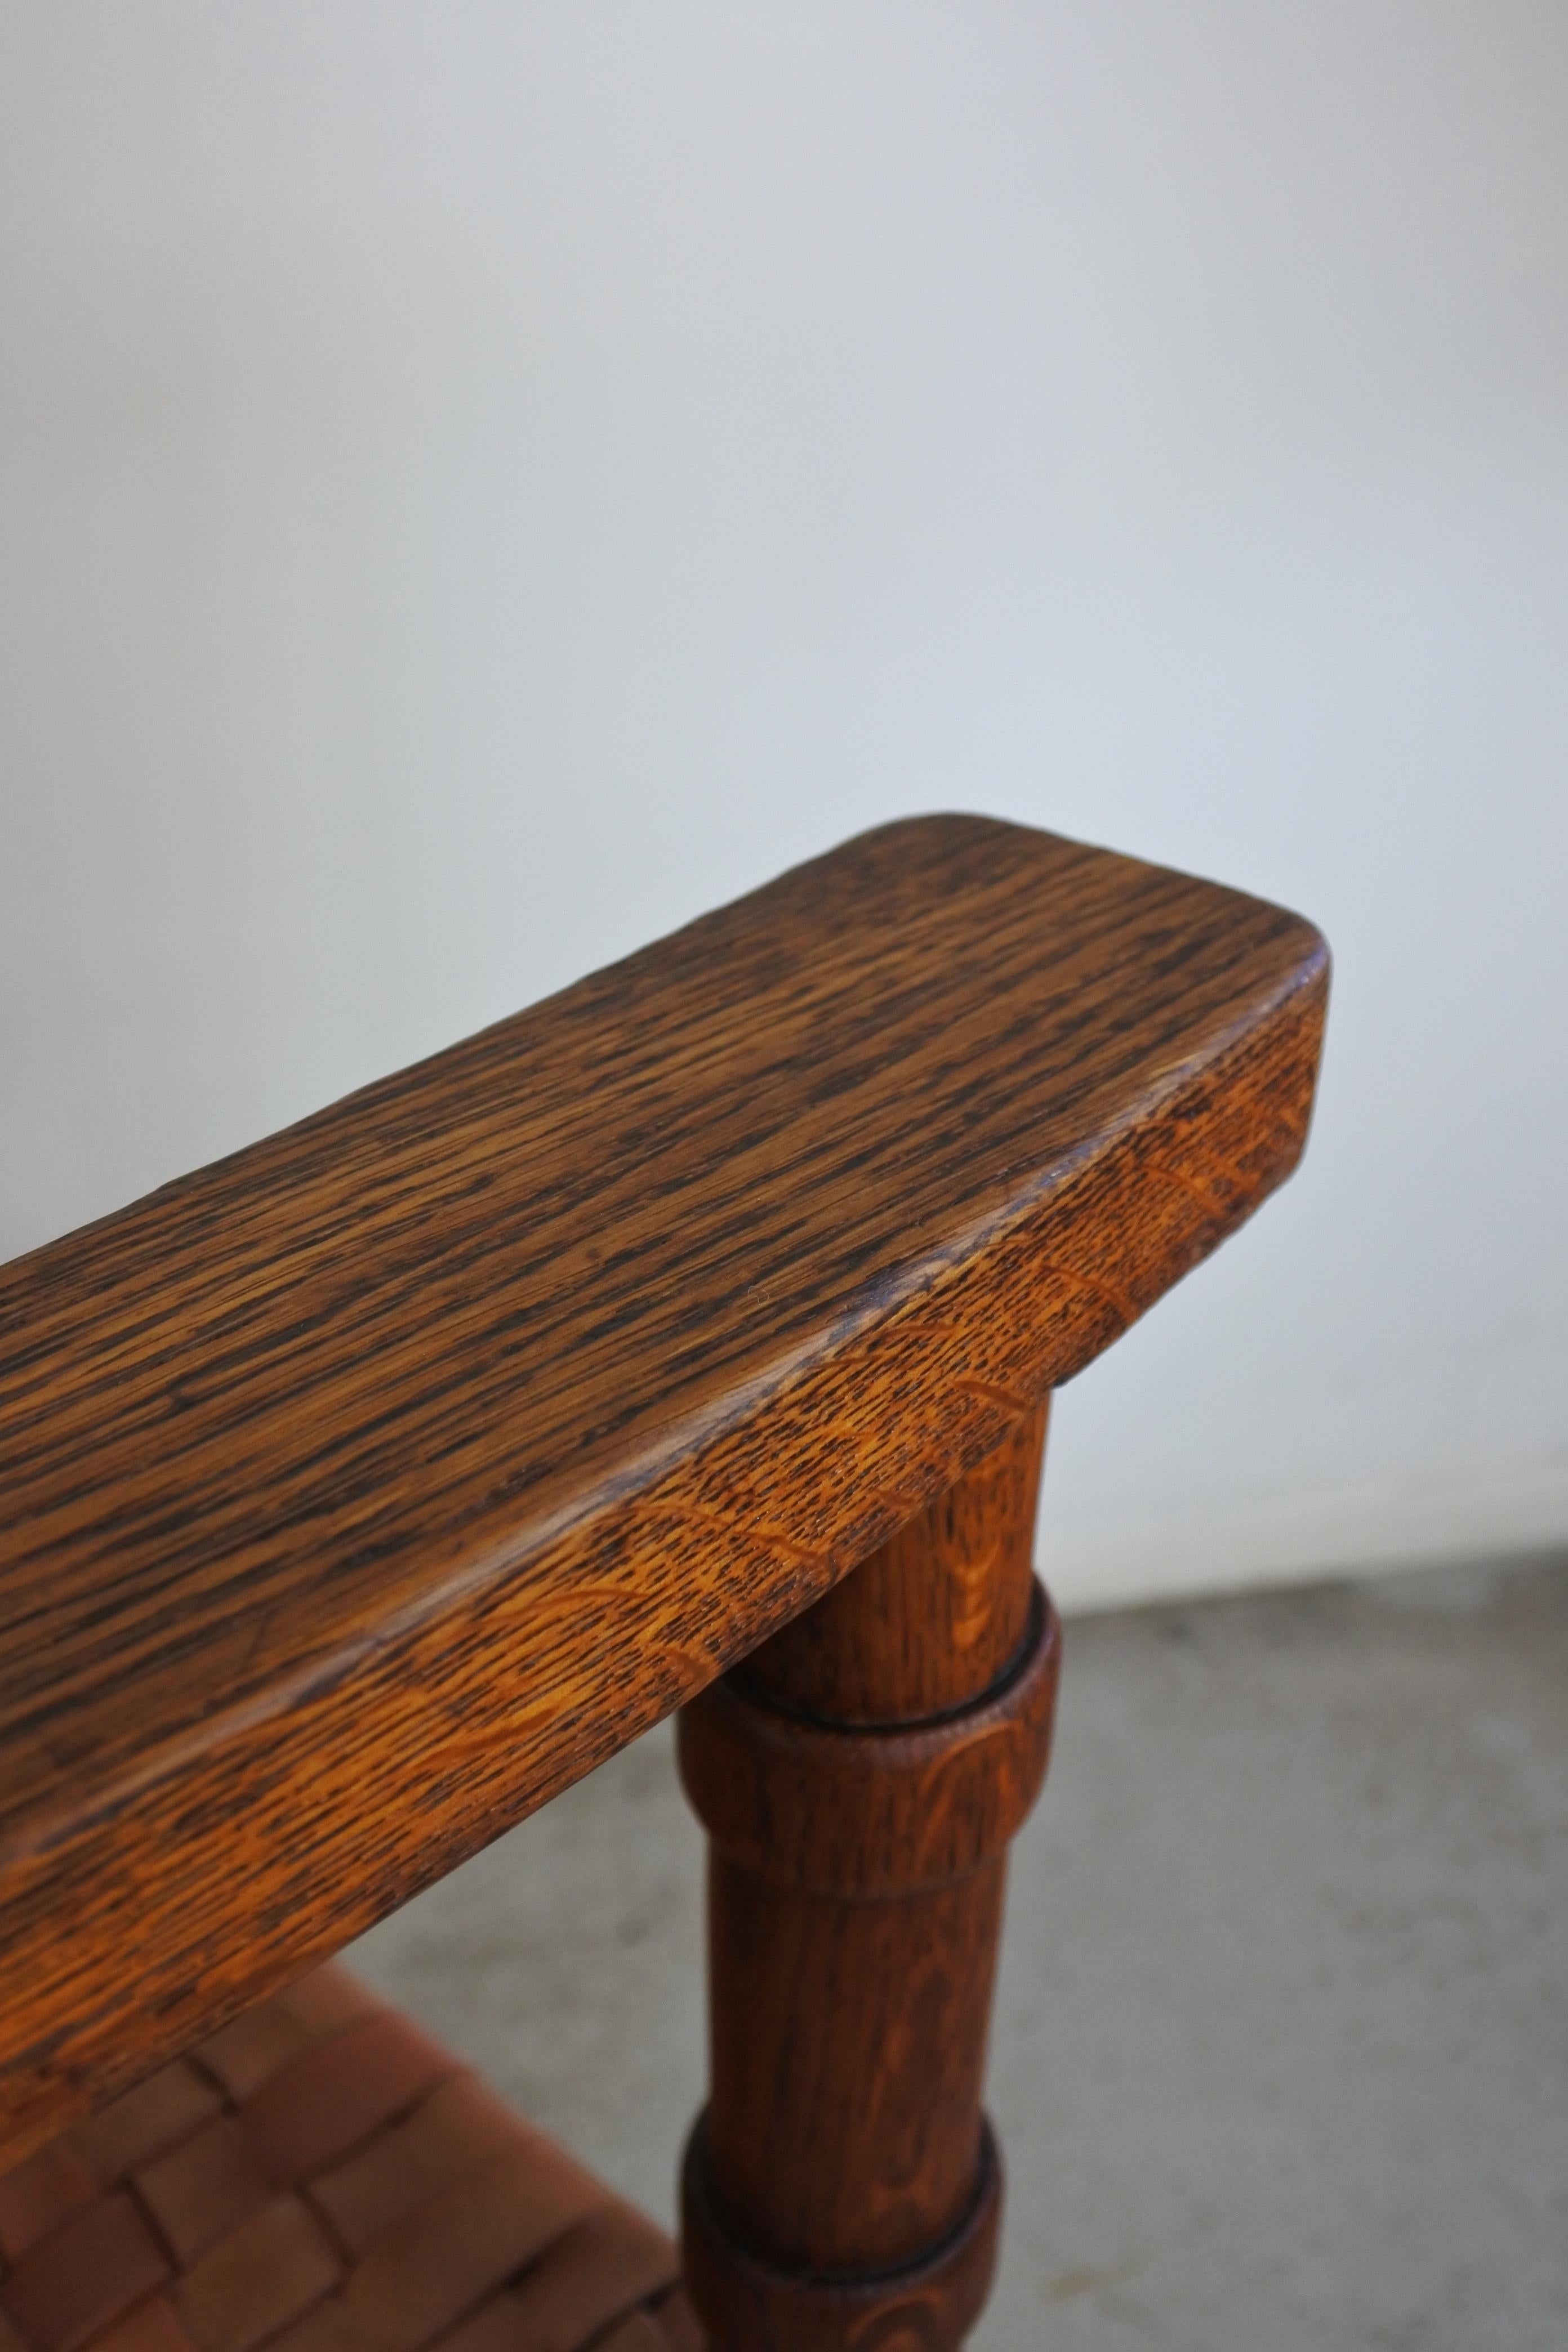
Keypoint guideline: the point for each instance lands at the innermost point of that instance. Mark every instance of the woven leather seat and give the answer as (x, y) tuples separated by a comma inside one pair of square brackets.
[(321, 2177)]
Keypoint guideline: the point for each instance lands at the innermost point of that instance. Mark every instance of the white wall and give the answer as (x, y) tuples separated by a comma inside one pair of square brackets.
[(482, 481)]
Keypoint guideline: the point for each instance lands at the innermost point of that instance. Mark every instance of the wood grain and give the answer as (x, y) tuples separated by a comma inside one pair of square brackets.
[(924, 2306), (367, 1487), (855, 1908), (938, 1612), (816, 1807)]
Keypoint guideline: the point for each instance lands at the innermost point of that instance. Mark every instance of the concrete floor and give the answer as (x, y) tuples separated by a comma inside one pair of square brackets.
[(1281, 2046)]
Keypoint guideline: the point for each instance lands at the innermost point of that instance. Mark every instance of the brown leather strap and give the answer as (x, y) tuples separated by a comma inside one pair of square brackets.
[(321, 2177)]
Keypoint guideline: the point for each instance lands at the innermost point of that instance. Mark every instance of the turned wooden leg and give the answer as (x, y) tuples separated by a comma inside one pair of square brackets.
[(860, 1776)]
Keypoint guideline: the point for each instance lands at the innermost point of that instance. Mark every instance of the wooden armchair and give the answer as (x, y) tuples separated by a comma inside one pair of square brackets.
[(684, 1342)]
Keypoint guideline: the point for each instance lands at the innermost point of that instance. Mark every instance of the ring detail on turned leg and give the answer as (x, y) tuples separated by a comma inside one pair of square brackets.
[(925, 2306), (859, 1812), (860, 1776)]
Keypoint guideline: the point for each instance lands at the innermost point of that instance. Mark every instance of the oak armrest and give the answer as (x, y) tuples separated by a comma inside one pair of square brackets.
[(365, 1488)]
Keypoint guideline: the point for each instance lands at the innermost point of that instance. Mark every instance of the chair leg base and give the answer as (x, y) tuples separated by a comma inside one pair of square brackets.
[(746, 2305)]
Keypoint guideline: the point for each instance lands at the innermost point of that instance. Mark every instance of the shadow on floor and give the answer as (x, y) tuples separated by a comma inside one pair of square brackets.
[(1281, 2046)]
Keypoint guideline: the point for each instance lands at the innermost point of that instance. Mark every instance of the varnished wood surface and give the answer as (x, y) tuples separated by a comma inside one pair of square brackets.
[(855, 1905), (937, 1614), (926, 2306), (362, 1490), (816, 1807)]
